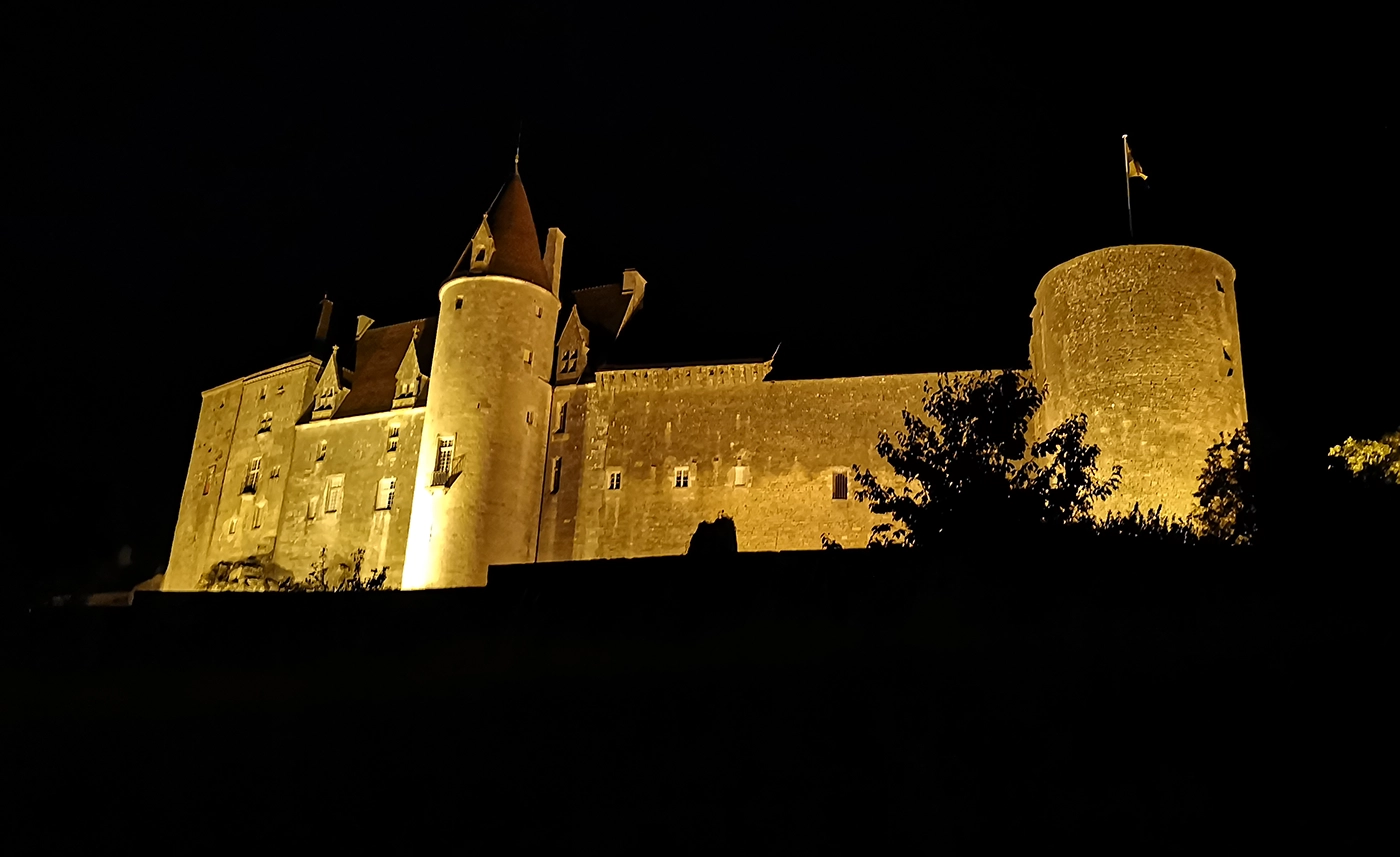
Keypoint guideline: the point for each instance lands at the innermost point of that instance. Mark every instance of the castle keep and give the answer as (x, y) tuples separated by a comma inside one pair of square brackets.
[(508, 427)]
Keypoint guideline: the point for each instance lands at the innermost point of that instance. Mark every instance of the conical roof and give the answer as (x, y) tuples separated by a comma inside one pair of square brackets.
[(515, 243)]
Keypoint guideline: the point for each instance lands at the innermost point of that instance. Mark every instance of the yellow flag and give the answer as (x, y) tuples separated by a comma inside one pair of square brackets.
[(1134, 168)]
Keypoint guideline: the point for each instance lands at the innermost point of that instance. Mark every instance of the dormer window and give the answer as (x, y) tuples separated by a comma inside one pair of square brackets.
[(325, 400), (568, 362), (482, 248)]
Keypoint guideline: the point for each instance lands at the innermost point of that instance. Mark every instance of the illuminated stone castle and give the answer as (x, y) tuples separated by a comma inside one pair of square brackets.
[(493, 433)]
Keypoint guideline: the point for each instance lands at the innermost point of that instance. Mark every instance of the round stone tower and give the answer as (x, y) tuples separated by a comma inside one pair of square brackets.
[(1144, 339), (482, 457)]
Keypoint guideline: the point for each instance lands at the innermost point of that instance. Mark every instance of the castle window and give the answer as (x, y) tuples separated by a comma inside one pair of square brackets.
[(443, 464), (741, 476), (481, 255), (326, 400), (393, 439), (615, 480), (312, 506), (556, 474), (276, 471), (529, 357), (281, 389), (682, 477), (1218, 287), (232, 526), (539, 312), (459, 303), (250, 480), (209, 478), (335, 490), (265, 424), (321, 451), (563, 415), (839, 486), (529, 418), (384, 498), (262, 394), (258, 516)]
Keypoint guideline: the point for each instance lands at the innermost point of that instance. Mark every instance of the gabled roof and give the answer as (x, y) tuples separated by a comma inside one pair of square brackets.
[(379, 354), (517, 244), (601, 309)]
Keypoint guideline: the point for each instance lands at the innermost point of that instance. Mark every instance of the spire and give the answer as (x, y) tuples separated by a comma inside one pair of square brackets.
[(506, 243)]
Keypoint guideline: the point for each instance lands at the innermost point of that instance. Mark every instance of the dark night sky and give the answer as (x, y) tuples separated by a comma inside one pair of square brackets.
[(880, 194)]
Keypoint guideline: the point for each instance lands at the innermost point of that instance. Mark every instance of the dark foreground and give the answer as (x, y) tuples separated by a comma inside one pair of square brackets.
[(793, 701)]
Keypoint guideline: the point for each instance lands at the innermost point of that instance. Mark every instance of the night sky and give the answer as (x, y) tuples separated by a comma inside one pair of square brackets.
[(877, 191)]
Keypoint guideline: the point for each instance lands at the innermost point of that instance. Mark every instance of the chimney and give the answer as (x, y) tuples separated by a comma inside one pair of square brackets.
[(554, 257), (323, 327), (634, 285), (362, 323)]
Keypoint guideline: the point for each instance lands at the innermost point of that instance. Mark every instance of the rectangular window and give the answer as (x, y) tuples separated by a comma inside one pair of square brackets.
[(313, 505), (529, 357), (232, 526), (257, 516), (393, 438), (555, 474), (262, 394), (250, 481), (276, 471), (209, 478), (265, 424), (446, 444), (741, 476), (561, 422), (682, 477), (838, 486), (321, 451), (385, 497), (335, 489), (459, 303), (614, 481)]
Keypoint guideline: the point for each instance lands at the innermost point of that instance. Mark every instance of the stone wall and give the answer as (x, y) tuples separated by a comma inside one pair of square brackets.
[(1144, 340), (253, 419), (357, 455), (792, 437)]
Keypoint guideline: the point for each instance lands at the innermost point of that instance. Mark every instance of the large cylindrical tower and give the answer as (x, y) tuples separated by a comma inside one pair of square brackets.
[(481, 461), (1144, 339)]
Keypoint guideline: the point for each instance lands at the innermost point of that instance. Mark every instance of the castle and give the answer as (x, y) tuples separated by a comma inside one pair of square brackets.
[(493, 433)]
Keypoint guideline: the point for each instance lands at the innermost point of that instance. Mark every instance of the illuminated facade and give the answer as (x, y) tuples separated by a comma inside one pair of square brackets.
[(493, 433)]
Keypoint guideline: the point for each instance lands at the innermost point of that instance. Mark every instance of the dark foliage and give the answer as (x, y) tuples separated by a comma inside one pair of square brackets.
[(1227, 491), (714, 537), (968, 471)]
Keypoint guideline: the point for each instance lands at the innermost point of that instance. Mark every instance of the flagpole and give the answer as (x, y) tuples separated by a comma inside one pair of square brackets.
[(1128, 185)]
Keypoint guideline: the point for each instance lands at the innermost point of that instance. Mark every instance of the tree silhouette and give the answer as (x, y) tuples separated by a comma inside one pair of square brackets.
[(1227, 491), (967, 469)]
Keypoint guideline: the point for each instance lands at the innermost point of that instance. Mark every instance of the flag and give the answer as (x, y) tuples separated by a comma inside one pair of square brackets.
[(1134, 168)]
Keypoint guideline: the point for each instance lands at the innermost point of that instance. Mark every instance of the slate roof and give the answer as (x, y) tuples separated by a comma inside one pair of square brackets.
[(517, 252), (378, 355)]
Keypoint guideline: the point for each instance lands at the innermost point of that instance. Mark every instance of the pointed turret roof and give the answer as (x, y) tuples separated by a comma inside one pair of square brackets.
[(514, 243)]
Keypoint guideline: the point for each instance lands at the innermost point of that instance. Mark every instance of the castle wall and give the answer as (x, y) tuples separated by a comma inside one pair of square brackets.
[(559, 508), (357, 456), (792, 436), (248, 420), (1143, 339)]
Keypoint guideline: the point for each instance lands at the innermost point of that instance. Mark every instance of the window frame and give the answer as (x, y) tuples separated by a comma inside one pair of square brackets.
[(682, 477)]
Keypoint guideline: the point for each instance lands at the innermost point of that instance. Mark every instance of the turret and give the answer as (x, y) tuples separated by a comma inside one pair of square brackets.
[(1144, 339), (482, 457)]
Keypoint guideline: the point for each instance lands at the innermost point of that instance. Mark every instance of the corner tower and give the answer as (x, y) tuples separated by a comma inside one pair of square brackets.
[(1144, 339), (481, 461)]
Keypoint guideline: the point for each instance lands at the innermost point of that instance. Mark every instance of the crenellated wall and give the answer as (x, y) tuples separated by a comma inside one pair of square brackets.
[(793, 438)]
